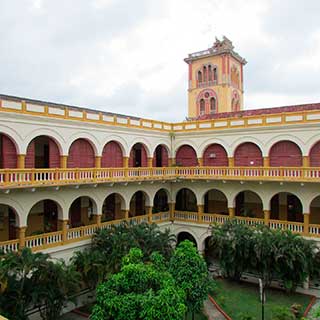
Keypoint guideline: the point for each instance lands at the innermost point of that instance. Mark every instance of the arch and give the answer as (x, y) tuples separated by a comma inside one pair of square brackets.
[(43, 152), (286, 206), (215, 155), (82, 211), (285, 153), (160, 201), (113, 207), (43, 217), (186, 200), (9, 221), (248, 154), (184, 235), (314, 155), (8, 152), (112, 155), (138, 204), (315, 210), (206, 95), (199, 76), (138, 156), (248, 204), (215, 201), (81, 154), (160, 156), (186, 156), (213, 105)]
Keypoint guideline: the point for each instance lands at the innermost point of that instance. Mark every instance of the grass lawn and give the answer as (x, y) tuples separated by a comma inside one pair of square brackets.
[(197, 316), (236, 298)]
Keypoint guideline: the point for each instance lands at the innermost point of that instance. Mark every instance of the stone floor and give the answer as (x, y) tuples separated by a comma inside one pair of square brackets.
[(72, 316)]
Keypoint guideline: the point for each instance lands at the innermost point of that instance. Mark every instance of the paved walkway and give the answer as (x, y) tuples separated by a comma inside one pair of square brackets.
[(212, 312), (72, 316)]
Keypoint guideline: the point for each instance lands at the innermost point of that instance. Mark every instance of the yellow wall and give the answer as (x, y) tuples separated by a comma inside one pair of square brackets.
[(223, 89)]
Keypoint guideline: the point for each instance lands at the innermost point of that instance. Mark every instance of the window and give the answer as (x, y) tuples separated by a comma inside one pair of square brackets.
[(199, 76), (202, 107), (213, 105), (209, 73), (204, 74), (215, 74)]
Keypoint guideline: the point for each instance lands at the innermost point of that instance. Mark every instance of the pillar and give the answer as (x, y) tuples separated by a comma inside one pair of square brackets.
[(21, 161), (97, 219), (22, 237), (149, 213), (200, 212), (170, 162), (150, 160), (231, 212), (98, 161), (200, 162), (126, 214), (306, 222), (306, 161), (63, 162), (126, 162), (266, 161), (231, 162), (63, 226), (171, 210), (266, 217)]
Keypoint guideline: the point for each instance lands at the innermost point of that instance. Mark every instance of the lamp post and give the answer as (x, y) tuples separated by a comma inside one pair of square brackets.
[(262, 297)]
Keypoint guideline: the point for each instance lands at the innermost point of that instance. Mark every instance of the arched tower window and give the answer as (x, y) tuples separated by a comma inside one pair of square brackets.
[(213, 105), (199, 76), (209, 73), (202, 107), (204, 74), (215, 74)]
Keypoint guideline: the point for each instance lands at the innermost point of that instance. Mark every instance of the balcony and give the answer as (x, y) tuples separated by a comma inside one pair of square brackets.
[(19, 178), (73, 235)]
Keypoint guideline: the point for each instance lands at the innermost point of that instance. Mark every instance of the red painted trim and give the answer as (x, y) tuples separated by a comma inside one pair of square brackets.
[(218, 307), (80, 313), (223, 65), (190, 71), (312, 302), (228, 64), (201, 95)]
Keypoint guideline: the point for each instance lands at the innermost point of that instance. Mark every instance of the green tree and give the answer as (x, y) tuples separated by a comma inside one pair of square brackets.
[(233, 244), (191, 274), (140, 291)]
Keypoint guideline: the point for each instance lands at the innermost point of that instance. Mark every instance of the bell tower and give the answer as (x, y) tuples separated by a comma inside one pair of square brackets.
[(215, 80)]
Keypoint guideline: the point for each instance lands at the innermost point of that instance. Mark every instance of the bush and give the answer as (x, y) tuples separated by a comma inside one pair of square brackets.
[(282, 313)]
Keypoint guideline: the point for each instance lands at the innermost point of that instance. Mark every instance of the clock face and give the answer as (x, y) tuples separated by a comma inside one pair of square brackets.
[(206, 94)]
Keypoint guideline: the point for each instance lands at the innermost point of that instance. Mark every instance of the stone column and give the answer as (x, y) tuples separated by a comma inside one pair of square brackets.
[(63, 162), (266, 161), (231, 162), (306, 161), (98, 161), (126, 214), (150, 160), (200, 162), (171, 210), (97, 219), (21, 161), (306, 222), (22, 237), (149, 213), (126, 165), (170, 162), (63, 226), (200, 212), (231, 213), (266, 217)]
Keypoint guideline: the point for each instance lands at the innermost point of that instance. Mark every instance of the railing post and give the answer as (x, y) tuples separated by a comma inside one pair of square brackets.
[(21, 161), (200, 212), (150, 160), (149, 212), (22, 237), (231, 212), (64, 228), (200, 162), (98, 162), (126, 166), (170, 162), (231, 162), (126, 214), (171, 210), (266, 162), (63, 162), (306, 222), (306, 161), (266, 217)]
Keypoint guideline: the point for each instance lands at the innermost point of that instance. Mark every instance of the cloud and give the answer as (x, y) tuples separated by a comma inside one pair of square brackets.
[(127, 56)]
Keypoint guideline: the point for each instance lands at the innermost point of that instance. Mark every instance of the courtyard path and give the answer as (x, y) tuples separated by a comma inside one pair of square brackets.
[(212, 312)]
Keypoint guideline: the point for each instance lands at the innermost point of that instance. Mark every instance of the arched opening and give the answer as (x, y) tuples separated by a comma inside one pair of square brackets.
[(215, 74), (81, 154), (210, 255), (160, 157), (112, 155), (315, 211), (248, 204), (315, 155), (138, 204), (286, 206), (202, 107), (42, 152), (186, 201), (8, 153), (235, 105), (138, 156), (182, 236), (209, 73), (113, 208), (8, 223), (215, 156), (204, 74), (160, 201), (213, 105), (248, 154), (43, 218), (215, 201), (199, 77), (81, 212), (186, 156), (285, 154)]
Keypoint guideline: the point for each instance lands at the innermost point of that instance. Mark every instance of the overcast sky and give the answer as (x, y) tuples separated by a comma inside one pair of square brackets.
[(126, 56)]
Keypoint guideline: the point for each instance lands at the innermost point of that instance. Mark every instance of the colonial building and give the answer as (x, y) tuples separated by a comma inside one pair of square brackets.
[(68, 171)]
